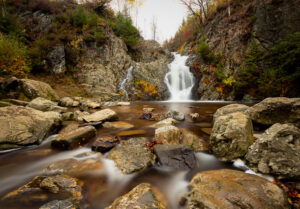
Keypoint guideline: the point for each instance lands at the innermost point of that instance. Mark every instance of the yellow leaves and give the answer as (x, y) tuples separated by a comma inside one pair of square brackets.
[(122, 93), (146, 88), (75, 43), (181, 48), (229, 81)]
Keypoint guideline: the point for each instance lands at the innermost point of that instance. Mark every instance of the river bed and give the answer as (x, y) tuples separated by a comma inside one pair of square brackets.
[(101, 188)]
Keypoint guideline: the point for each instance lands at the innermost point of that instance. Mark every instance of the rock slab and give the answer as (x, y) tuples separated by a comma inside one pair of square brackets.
[(132, 155), (231, 189), (102, 115), (175, 156), (276, 110), (73, 138), (142, 196)]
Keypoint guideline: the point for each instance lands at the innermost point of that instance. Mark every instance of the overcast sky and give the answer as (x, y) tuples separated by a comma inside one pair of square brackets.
[(168, 14)]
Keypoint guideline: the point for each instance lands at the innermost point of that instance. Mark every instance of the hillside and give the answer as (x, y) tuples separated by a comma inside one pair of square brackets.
[(80, 50), (250, 53)]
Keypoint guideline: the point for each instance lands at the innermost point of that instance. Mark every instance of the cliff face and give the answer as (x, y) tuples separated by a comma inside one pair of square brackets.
[(103, 69), (263, 22)]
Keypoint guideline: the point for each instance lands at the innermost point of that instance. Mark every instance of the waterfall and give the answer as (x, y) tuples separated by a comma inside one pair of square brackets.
[(179, 79), (126, 79)]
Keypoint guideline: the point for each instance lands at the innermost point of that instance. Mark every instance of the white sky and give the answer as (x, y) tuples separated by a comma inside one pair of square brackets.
[(168, 14)]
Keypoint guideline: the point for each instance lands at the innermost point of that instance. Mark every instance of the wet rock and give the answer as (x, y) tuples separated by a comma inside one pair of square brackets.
[(42, 188), (86, 103), (123, 103), (230, 109), (102, 115), (95, 124), (234, 189), (61, 204), (148, 110), (43, 104), (168, 135), (131, 155), (5, 104), (142, 196), (131, 133), (68, 102), (75, 167), (165, 122), (277, 151), (33, 89), (192, 140), (146, 116), (117, 125), (176, 115), (195, 116), (175, 156), (68, 128), (74, 138), (79, 115), (104, 144), (56, 59), (231, 136), (22, 126), (17, 102), (68, 116), (276, 110)]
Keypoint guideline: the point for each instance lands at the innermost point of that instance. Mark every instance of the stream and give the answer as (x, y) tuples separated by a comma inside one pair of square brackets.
[(102, 187)]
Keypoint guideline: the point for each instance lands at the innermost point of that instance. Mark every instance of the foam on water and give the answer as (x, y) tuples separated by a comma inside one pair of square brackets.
[(241, 165)]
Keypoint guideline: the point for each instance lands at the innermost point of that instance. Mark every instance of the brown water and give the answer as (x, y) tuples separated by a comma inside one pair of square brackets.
[(101, 188)]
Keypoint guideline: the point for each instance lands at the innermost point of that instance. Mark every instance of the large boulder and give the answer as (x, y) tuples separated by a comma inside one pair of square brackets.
[(276, 110), (132, 155), (230, 109), (21, 126), (231, 189), (142, 196), (277, 151), (231, 136), (33, 89), (102, 115), (43, 104), (74, 138), (27, 89), (175, 156), (168, 135)]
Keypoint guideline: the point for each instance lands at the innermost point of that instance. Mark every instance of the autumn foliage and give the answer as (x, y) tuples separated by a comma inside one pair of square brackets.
[(14, 59)]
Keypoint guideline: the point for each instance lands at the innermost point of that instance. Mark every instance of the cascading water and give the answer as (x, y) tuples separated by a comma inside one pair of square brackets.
[(126, 79), (179, 79)]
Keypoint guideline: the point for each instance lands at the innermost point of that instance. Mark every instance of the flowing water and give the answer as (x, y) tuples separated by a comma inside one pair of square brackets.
[(126, 80), (179, 79), (107, 183)]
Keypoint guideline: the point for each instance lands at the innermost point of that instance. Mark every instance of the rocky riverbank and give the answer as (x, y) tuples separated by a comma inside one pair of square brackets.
[(265, 136)]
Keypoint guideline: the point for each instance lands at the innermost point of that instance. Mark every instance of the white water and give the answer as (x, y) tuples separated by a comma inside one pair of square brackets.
[(126, 80), (179, 79), (241, 165)]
